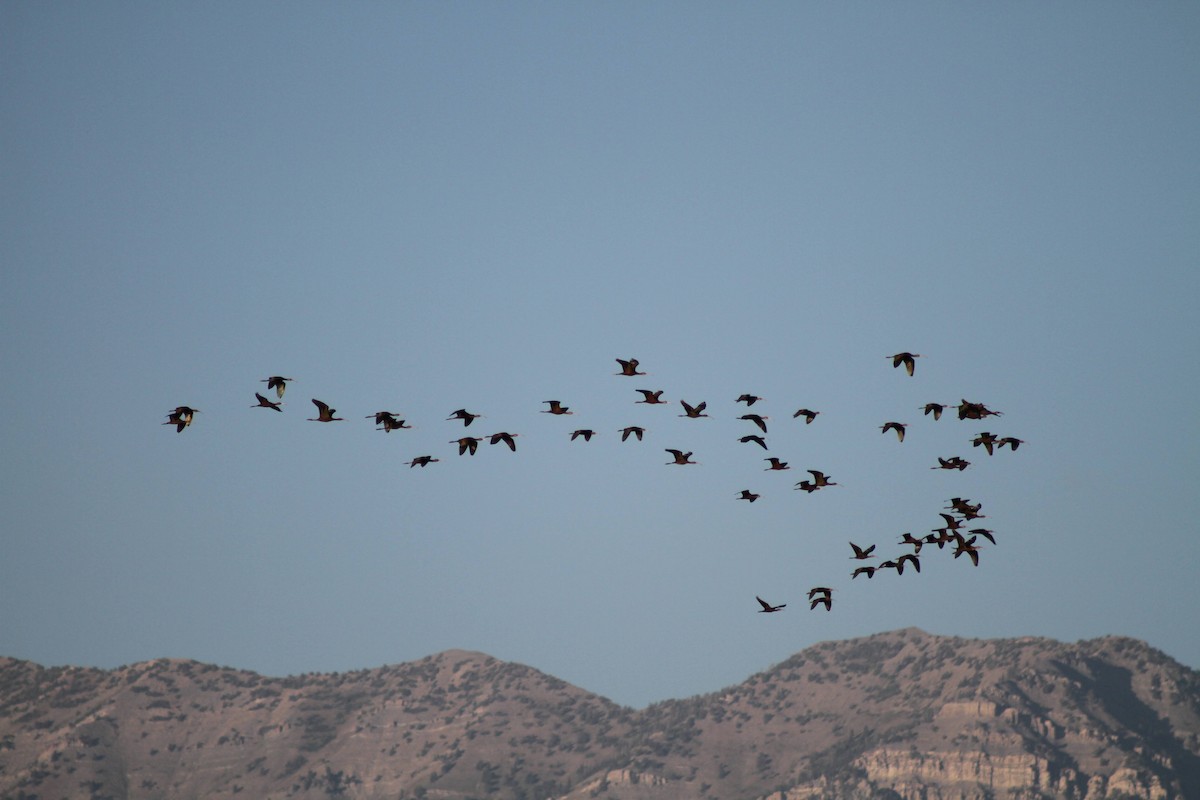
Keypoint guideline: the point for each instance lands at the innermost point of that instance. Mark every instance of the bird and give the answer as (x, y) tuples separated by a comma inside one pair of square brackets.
[(180, 417), (746, 494), (968, 547), (964, 506), (651, 397), (1012, 442), (911, 558), (907, 359), (898, 427), (393, 424), (381, 416), (467, 443), (421, 461), (820, 478), (635, 430), (758, 440), (936, 409), (868, 571), (807, 486), (986, 439), (916, 543), (748, 399), (629, 367), (954, 462), (776, 464), (861, 553), (265, 403), (324, 412), (767, 608), (820, 595), (808, 414), (693, 411), (952, 524), (680, 456), (969, 410), (466, 416), (276, 382), (984, 532), (556, 408), (507, 438), (586, 433), (757, 419)]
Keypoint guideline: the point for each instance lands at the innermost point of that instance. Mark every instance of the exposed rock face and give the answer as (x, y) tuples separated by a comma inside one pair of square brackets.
[(898, 715)]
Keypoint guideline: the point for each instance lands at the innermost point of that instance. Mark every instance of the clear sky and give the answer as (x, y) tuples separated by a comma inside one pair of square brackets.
[(422, 207)]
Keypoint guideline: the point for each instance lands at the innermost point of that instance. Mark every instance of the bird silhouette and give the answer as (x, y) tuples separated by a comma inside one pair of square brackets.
[(393, 424), (324, 413), (969, 410), (629, 367), (746, 494), (935, 409), (808, 414), (508, 438), (807, 486), (1012, 442), (911, 558), (986, 533), (422, 461), (276, 382), (986, 439), (586, 433), (967, 547), (748, 399), (265, 403), (820, 479), (776, 464), (767, 608), (861, 553), (954, 462), (180, 417), (868, 571), (680, 456), (916, 543), (466, 416), (907, 359), (467, 444), (898, 427), (382, 416), (635, 430), (757, 419), (556, 408), (758, 440), (820, 595), (693, 411), (651, 397)]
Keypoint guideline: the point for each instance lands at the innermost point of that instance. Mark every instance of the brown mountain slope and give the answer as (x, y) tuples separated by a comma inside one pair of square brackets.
[(896, 715)]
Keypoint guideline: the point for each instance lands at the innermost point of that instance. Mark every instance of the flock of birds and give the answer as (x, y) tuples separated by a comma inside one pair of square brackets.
[(957, 517)]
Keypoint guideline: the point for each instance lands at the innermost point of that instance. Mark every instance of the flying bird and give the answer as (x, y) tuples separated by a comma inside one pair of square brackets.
[(466, 416), (629, 367), (820, 595), (748, 399), (898, 427), (907, 359), (808, 414), (954, 462), (916, 543), (911, 558), (586, 433), (969, 410), (757, 419), (776, 464), (860, 553), (935, 409), (324, 413), (382, 416), (393, 424), (556, 408), (986, 439), (276, 382), (746, 494), (635, 430), (767, 608), (507, 438), (807, 486), (467, 443), (758, 440), (265, 403), (181, 417), (820, 478), (651, 398), (1012, 442), (421, 461), (693, 411), (680, 456), (868, 571)]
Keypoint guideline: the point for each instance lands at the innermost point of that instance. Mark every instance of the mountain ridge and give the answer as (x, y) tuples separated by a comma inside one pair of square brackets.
[(898, 714)]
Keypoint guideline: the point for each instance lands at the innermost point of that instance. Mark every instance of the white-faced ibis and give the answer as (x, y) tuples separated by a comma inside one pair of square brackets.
[(954, 462), (632, 429), (324, 413), (556, 408), (467, 444), (984, 532), (964, 506), (916, 543), (969, 410), (807, 486), (181, 417), (390, 424), (776, 464), (986, 439), (862, 553), (586, 433), (508, 438), (820, 478), (629, 367), (935, 409), (767, 608), (757, 419), (898, 427), (968, 547), (907, 359), (382, 416), (652, 398), (265, 403), (466, 416), (868, 571), (276, 382), (693, 411), (1012, 442), (679, 456), (911, 558), (748, 399), (746, 494), (421, 461), (753, 437), (808, 414), (820, 595)]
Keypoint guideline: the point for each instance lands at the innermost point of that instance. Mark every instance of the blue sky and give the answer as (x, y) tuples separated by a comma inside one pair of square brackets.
[(422, 207)]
